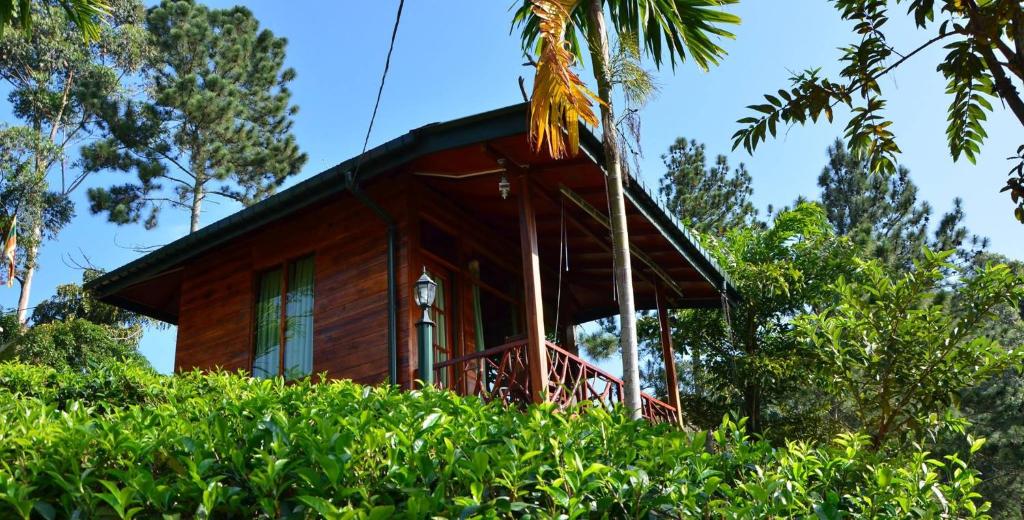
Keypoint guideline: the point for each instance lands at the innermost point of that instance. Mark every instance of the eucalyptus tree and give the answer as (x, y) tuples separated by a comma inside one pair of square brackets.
[(25, 197), (216, 118), (56, 84), (556, 29), (984, 60)]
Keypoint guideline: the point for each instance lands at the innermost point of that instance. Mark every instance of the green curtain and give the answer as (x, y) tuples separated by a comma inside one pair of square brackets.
[(298, 351), (478, 314), (440, 318), (268, 326)]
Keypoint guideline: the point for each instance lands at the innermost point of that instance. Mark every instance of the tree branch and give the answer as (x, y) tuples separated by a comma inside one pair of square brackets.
[(1004, 87)]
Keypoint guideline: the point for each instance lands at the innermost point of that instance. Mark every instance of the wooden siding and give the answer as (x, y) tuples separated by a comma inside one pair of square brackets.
[(350, 304)]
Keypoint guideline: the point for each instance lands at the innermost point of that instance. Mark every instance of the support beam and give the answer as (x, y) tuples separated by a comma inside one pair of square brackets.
[(603, 220), (536, 350), (668, 355), (588, 233)]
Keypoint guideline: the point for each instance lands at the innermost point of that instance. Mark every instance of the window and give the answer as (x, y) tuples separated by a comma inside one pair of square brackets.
[(284, 321)]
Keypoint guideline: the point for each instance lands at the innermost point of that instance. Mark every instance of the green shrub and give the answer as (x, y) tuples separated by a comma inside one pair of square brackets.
[(226, 446)]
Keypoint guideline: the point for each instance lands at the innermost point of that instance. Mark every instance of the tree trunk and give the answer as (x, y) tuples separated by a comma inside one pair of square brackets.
[(198, 194), (752, 390), (601, 57), (32, 253), (30, 271), (752, 407), (696, 370)]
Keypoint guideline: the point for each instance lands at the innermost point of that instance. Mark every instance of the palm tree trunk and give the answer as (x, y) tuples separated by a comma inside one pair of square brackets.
[(601, 57)]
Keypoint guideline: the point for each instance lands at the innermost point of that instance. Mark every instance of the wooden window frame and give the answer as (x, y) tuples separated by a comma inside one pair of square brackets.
[(283, 315)]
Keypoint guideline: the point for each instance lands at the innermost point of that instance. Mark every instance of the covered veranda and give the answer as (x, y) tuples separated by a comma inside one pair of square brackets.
[(550, 220)]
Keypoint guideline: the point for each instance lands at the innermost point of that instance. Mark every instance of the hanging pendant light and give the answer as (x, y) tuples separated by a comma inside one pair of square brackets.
[(504, 187)]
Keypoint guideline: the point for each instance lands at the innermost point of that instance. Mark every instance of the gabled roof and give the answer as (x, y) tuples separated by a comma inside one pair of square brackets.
[(431, 138)]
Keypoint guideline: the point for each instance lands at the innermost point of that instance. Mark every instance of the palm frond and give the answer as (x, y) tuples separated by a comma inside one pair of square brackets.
[(676, 29), (87, 15), (560, 99), (627, 72)]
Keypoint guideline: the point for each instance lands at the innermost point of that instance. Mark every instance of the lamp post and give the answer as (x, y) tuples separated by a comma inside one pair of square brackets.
[(426, 289)]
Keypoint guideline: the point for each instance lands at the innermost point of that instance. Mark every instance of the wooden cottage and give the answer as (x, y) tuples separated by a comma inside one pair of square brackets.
[(319, 278)]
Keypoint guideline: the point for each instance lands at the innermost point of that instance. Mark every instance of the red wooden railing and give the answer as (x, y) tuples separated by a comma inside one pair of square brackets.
[(502, 373)]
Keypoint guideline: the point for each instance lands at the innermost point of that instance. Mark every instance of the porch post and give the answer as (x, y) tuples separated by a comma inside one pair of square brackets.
[(536, 350), (667, 352)]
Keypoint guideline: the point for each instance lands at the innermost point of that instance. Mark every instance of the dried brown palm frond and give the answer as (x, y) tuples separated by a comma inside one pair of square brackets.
[(560, 99)]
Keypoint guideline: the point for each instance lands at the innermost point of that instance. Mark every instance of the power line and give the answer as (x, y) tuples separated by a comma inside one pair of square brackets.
[(380, 90)]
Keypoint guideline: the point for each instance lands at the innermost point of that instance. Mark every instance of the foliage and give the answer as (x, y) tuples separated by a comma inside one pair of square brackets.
[(637, 86), (979, 65), (215, 121), (71, 301), (75, 345), (73, 331), (996, 411), (898, 357), (710, 199), (781, 271), (883, 216), (87, 15), (223, 445)]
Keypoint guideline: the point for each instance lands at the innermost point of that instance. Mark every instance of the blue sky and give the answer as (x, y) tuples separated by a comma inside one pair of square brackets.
[(456, 58)]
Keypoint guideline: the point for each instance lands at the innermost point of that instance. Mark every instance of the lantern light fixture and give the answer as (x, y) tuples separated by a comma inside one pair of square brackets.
[(426, 291)]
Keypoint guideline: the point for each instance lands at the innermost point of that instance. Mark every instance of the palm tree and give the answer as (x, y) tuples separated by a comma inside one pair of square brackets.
[(85, 14), (680, 28)]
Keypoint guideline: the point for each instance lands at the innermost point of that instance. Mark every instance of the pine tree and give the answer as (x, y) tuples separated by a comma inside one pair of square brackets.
[(56, 82), (709, 199), (216, 118), (883, 215)]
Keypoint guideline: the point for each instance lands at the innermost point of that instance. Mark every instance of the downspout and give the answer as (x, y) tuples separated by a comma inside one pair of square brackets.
[(392, 294)]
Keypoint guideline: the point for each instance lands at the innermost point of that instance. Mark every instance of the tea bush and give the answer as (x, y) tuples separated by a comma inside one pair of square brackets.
[(122, 442)]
